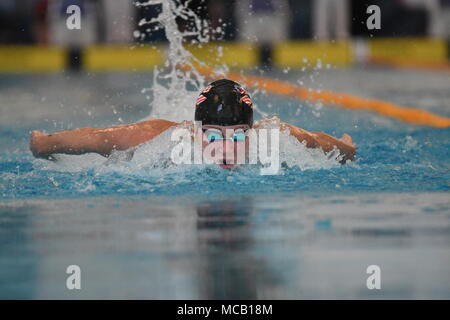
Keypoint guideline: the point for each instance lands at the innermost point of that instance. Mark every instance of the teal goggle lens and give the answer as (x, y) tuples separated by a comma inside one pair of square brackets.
[(239, 136), (212, 136)]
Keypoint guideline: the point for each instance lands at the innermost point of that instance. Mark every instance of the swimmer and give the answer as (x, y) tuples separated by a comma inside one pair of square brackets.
[(224, 108)]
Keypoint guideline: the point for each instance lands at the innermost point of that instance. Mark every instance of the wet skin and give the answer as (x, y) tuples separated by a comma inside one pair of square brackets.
[(229, 151), (124, 137)]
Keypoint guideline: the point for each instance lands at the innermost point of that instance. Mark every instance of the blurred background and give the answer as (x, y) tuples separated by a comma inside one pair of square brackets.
[(108, 22)]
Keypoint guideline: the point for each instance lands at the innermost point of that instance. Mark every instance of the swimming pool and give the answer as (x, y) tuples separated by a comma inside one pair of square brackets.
[(141, 230)]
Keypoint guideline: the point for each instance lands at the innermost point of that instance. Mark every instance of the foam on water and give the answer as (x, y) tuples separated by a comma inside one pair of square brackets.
[(154, 157)]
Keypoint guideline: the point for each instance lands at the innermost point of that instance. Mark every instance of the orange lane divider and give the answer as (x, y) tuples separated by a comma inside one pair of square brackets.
[(343, 100)]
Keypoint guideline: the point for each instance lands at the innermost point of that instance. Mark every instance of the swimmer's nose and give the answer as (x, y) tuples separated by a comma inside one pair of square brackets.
[(228, 151)]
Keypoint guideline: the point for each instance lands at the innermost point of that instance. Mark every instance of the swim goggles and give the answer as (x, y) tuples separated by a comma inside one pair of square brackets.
[(215, 134)]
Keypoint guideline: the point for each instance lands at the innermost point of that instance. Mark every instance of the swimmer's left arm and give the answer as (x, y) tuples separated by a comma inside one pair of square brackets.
[(98, 140), (322, 140)]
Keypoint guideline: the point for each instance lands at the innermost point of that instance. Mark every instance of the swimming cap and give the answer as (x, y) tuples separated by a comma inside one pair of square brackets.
[(224, 103)]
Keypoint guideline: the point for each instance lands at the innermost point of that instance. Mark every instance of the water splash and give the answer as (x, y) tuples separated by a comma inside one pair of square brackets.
[(174, 90)]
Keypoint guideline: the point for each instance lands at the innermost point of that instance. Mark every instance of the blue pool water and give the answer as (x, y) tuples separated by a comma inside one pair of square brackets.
[(140, 230)]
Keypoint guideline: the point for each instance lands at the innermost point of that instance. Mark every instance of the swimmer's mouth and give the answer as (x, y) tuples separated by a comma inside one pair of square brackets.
[(226, 165)]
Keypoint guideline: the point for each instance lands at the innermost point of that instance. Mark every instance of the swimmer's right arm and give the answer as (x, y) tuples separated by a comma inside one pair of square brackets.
[(322, 140), (101, 141)]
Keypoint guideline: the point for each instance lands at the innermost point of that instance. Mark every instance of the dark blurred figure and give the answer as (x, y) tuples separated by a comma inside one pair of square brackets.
[(148, 33), (41, 22), (400, 18), (301, 24), (221, 19), (445, 11), (218, 13), (154, 32), (16, 21)]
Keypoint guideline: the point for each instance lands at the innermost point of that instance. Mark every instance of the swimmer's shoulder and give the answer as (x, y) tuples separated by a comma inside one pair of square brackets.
[(153, 127), (267, 123), (156, 124)]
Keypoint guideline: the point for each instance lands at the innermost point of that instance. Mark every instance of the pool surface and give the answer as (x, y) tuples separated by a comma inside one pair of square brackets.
[(144, 229)]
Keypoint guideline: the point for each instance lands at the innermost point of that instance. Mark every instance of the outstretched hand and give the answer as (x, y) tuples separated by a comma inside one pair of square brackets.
[(36, 143), (346, 138)]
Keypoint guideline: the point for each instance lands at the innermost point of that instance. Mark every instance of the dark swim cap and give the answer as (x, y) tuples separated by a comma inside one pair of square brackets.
[(224, 103)]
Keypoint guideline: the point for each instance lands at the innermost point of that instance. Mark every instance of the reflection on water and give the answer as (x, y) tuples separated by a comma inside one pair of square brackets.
[(17, 260), (251, 247), (225, 236)]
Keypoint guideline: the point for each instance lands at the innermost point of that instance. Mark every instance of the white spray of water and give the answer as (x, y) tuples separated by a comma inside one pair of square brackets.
[(172, 98), (294, 153)]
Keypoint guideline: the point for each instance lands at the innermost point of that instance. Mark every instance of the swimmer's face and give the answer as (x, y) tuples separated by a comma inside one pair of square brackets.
[(226, 145)]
